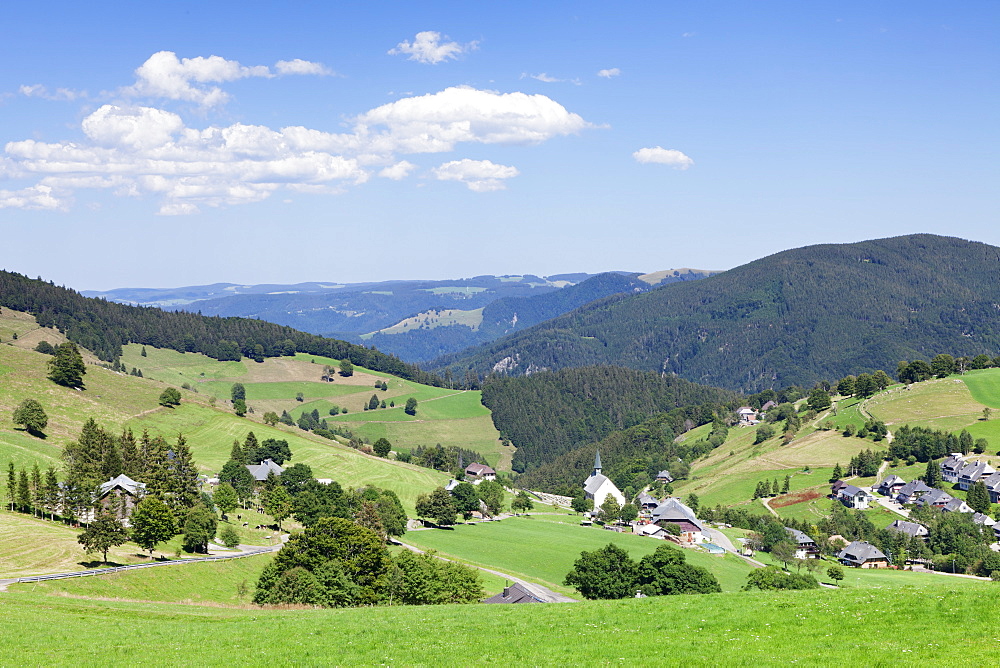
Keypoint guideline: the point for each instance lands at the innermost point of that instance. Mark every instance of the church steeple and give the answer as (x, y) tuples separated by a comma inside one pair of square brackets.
[(597, 464)]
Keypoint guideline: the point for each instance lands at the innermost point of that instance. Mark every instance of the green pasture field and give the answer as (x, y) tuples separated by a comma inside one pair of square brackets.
[(939, 404), (280, 390), (738, 488), (546, 549), (848, 413), (922, 624), (201, 582), (177, 368), (210, 435), (984, 385), (33, 546)]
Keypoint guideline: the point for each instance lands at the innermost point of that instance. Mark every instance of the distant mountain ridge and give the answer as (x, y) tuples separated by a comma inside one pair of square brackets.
[(480, 309), (796, 317)]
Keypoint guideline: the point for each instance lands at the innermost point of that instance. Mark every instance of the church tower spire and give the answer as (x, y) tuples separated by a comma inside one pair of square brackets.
[(597, 463)]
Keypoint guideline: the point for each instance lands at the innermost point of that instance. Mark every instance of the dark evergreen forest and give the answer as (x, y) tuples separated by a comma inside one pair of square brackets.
[(104, 327), (793, 318), (550, 413)]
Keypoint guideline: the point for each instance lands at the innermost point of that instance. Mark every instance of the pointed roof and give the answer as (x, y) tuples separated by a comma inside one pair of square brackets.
[(672, 510), (260, 471), (597, 461), (125, 483)]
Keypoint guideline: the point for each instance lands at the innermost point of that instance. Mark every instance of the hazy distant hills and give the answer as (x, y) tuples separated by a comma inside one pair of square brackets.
[(798, 316), (415, 320)]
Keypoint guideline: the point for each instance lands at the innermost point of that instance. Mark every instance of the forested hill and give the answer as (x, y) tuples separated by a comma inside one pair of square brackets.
[(550, 413), (509, 314), (104, 327), (796, 317)]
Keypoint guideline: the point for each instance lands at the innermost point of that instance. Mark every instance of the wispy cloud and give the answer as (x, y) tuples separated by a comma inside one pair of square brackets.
[(427, 47), (662, 156), (478, 175), (59, 94), (609, 73), (545, 78)]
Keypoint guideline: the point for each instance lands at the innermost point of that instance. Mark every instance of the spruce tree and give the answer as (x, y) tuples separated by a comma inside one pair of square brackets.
[(11, 485), (66, 367), (51, 492), (932, 476), (979, 498), (236, 454), (837, 474)]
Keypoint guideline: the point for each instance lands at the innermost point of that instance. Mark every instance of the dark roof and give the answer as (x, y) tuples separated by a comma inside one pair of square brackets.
[(914, 487), (479, 469), (516, 593), (800, 537), (934, 497), (672, 510), (859, 552), (911, 529)]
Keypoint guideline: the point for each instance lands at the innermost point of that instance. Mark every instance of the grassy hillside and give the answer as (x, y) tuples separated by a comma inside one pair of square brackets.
[(117, 401), (547, 546), (445, 416), (796, 317), (944, 624)]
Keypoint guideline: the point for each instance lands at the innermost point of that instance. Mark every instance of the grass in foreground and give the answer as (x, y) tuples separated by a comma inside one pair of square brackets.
[(939, 625)]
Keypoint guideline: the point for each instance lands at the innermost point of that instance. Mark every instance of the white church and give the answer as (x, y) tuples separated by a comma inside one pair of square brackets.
[(598, 486)]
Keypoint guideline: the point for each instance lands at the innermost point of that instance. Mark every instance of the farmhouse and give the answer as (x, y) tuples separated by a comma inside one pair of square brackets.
[(956, 506), (805, 547), (516, 593), (260, 471), (854, 497), (119, 496), (664, 476), (646, 502), (911, 529), (973, 472), (476, 472), (862, 555), (747, 415), (598, 486), (672, 511)]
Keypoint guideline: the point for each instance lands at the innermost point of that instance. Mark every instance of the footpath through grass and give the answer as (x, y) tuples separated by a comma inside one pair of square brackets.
[(933, 625)]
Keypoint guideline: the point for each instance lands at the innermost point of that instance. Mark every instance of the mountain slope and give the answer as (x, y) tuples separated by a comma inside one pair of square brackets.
[(799, 316)]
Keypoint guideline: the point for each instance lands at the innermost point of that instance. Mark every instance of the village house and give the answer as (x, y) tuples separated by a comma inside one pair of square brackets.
[(912, 491), (911, 529), (805, 547), (664, 476), (992, 483), (261, 471), (854, 497), (119, 496), (935, 498), (836, 487), (951, 466), (891, 486), (984, 521), (476, 472), (672, 511), (768, 406), (956, 506), (516, 593), (860, 554), (650, 530), (646, 503), (970, 473), (598, 486), (747, 415)]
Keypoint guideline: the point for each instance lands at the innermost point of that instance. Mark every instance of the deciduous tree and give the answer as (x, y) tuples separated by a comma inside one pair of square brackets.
[(67, 367), (30, 415), (102, 534), (152, 523)]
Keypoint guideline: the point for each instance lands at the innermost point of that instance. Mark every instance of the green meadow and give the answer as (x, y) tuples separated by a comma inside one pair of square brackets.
[(940, 624), (542, 548)]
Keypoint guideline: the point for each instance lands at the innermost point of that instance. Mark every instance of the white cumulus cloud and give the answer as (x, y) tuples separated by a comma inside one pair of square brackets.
[(478, 175), (662, 156), (427, 47), (164, 75), (609, 73), (33, 197), (398, 171), (435, 123)]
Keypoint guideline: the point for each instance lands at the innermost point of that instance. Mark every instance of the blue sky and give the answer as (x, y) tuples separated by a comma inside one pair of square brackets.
[(164, 144)]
